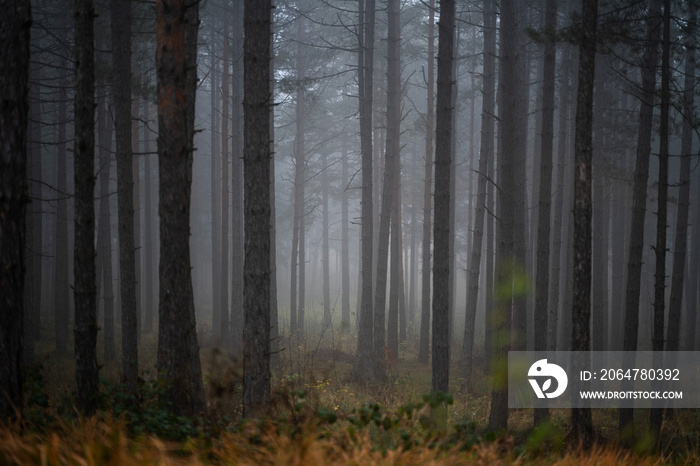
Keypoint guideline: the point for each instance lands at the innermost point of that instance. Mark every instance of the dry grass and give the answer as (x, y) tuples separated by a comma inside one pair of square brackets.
[(319, 365)]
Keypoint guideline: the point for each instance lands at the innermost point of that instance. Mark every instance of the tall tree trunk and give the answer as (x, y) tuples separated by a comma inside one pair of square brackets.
[(175, 168), (656, 415), (545, 191), (104, 132), (393, 120), (510, 266), (84, 252), (61, 285), (215, 191), (424, 348), (256, 158), (639, 196), (191, 18), (485, 156), (345, 244), (15, 24), (396, 269), (221, 329), (441, 229), (236, 319), (364, 357), (299, 277), (121, 61), (149, 221), (582, 428), (557, 245), (34, 148), (135, 145), (325, 246), (680, 249)]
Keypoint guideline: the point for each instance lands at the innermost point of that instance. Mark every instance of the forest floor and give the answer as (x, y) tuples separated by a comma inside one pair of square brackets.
[(320, 416)]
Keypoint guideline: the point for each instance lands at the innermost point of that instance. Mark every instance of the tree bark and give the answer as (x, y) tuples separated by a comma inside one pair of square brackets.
[(104, 131), (424, 348), (221, 329), (581, 424), (121, 61), (485, 155), (15, 24), (84, 252), (639, 196), (175, 168), (256, 276), (441, 229), (61, 283), (364, 356)]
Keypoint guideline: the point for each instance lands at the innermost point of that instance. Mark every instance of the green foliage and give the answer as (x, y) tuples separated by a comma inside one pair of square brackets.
[(145, 413)]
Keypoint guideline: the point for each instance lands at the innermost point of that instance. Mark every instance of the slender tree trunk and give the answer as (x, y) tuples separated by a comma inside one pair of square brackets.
[(136, 142), (15, 24), (61, 284), (545, 192), (424, 349), (256, 158), (508, 317), (485, 156), (236, 319), (84, 259), (121, 51), (345, 244), (656, 416), (364, 357), (325, 245), (396, 269), (441, 229), (639, 196), (34, 147), (148, 220), (555, 288), (215, 192), (104, 131), (393, 119), (679, 257), (581, 423), (221, 328)]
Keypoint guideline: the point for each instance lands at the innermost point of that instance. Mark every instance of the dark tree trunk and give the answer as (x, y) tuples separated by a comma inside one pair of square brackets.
[(15, 24), (396, 269), (345, 245), (581, 425), (257, 213), (175, 167), (509, 323), (34, 148), (364, 357), (121, 61), (61, 284), (424, 348), (325, 246), (441, 229), (221, 314), (656, 415), (545, 192), (191, 18), (558, 242), (639, 196), (236, 319), (104, 131), (485, 156), (84, 252), (681, 242), (393, 120), (149, 221), (215, 189)]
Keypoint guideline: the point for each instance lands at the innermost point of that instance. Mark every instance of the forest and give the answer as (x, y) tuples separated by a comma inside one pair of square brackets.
[(313, 231)]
